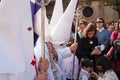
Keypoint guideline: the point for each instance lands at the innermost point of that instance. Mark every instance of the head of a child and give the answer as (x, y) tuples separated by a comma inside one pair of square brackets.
[(86, 64), (103, 64)]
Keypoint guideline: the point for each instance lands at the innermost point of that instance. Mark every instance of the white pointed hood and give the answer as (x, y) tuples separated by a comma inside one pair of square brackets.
[(57, 13), (37, 25), (61, 32), (16, 44)]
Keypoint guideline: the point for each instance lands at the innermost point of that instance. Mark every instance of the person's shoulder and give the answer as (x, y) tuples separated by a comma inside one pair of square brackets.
[(95, 37), (85, 39), (106, 30), (82, 39), (114, 32)]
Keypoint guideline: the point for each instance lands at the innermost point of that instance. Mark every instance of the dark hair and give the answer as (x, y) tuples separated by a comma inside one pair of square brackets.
[(85, 62), (103, 21), (90, 27), (105, 63), (118, 27)]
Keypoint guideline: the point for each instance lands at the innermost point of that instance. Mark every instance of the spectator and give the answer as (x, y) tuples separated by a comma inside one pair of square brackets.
[(86, 68), (103, 35), (112, 52), (111, 28), (82, 24), (16, 43), (105, 70), (86, 45)]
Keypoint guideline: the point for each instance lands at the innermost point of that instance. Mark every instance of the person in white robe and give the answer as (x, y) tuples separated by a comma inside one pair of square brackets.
[(17, 60), (59, 42), (60, 36), (37, 51), (59, 54), (68, 66)]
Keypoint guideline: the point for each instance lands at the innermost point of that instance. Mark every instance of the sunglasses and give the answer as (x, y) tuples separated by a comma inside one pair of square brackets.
[(80, 23), (99, 22)]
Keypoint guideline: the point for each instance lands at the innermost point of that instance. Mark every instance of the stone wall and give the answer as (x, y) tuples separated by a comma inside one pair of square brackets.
[(99, 10)]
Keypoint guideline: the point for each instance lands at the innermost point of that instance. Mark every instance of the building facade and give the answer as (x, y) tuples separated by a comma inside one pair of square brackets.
[(90, 13)]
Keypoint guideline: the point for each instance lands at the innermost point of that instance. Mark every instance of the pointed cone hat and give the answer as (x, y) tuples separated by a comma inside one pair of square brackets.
[(61, 32), (57, 13), (37, 25)]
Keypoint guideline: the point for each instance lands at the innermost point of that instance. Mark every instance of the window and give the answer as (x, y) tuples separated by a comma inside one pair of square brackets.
[(88, 12)]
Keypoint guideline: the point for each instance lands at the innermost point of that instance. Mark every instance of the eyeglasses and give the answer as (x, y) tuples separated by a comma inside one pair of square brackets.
[(99, 22)]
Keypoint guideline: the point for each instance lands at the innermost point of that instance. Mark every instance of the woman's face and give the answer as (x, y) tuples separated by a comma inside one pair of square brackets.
[(91, 34), (81, 26), (111, 28)]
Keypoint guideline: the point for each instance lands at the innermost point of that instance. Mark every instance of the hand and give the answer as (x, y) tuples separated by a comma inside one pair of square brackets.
[(52, 49), (43, 64), (96, 52), (94, 74), (42, 76), (73, 47)]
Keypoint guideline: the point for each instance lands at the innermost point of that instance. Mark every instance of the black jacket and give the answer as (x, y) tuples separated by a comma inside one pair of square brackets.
[(85, 47)]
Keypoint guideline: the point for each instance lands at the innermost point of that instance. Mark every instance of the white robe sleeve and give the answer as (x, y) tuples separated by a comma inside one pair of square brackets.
[(60, 63), (68, 66), (66, 57), (64, 52)]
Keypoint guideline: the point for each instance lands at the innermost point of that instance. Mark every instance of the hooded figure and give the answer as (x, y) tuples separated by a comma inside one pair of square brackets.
[(61, 33), (38, 46), (55, 25), (16, 40), (60, 36)]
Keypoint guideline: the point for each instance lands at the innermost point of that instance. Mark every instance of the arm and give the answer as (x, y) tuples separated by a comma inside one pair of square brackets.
[(41, 76), (52, 49), (95, 75), (43, 66), (73, 47), (64, 52)]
